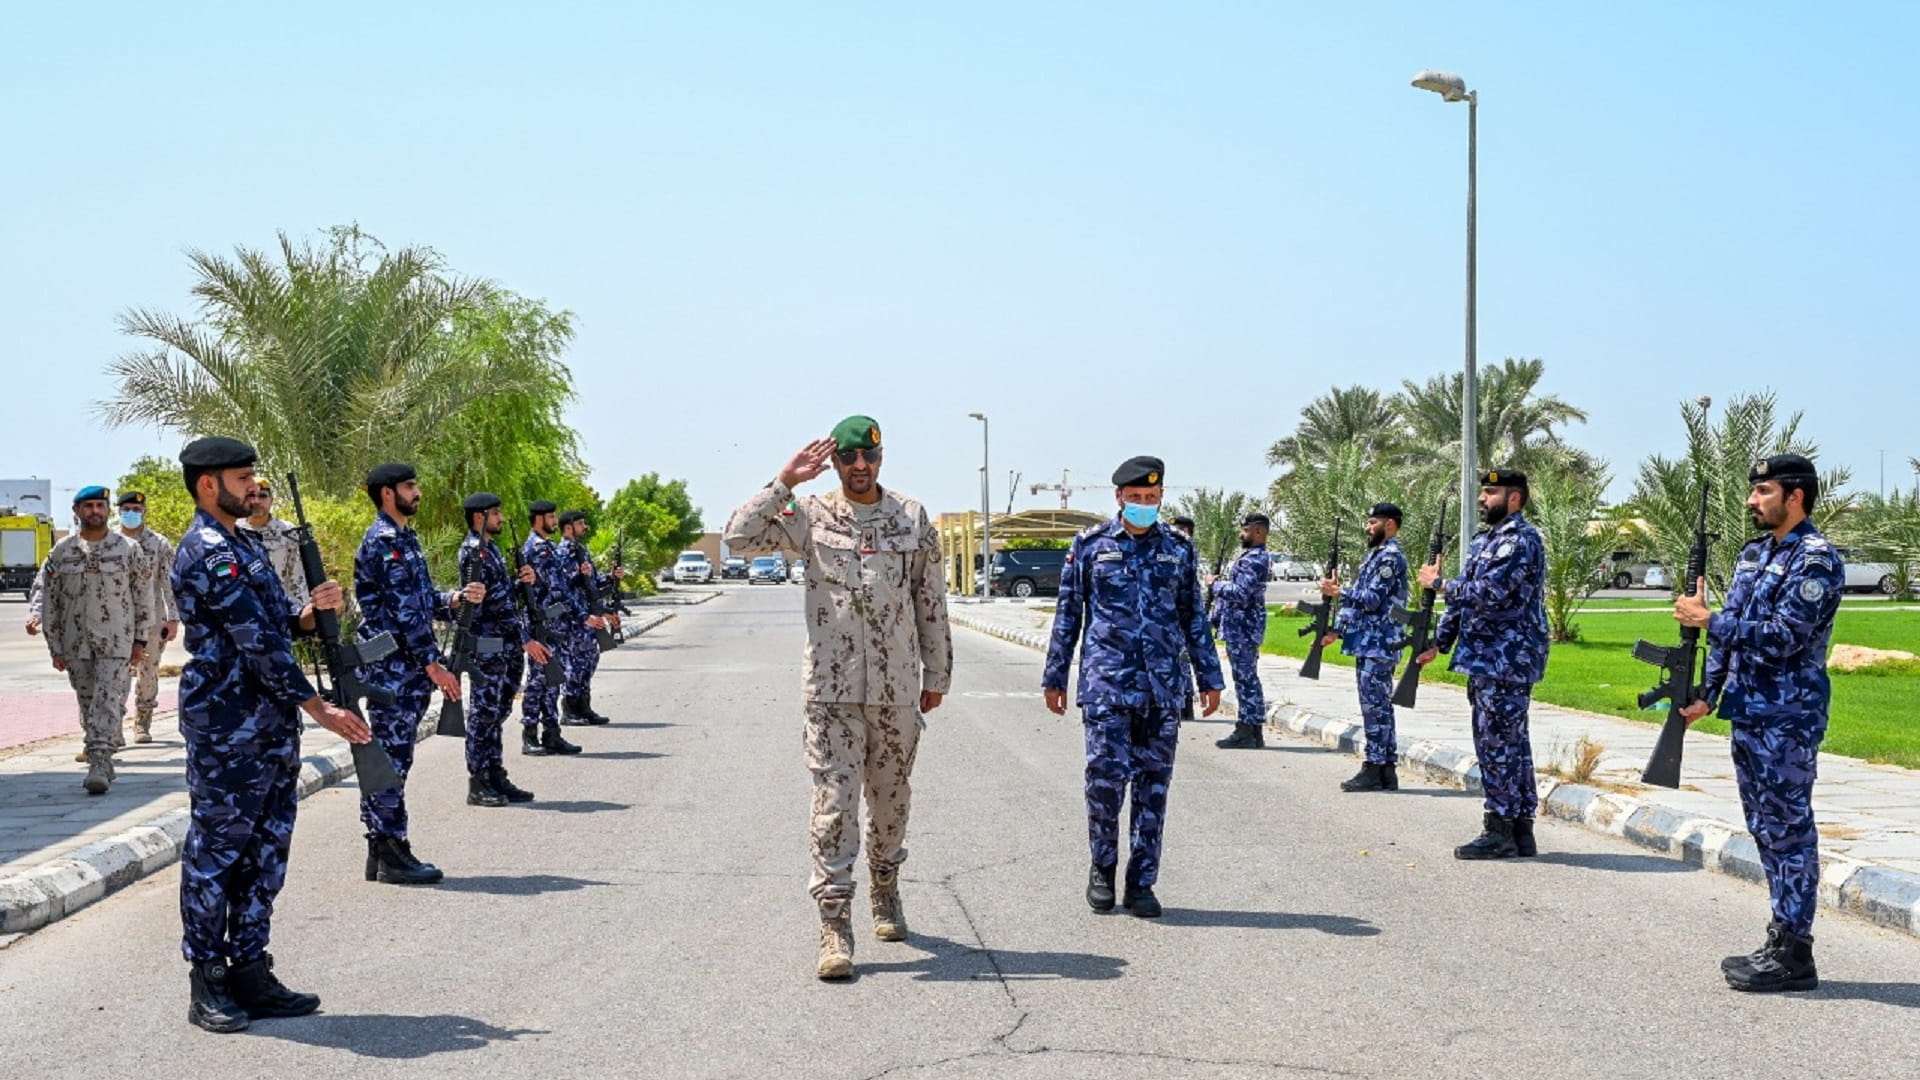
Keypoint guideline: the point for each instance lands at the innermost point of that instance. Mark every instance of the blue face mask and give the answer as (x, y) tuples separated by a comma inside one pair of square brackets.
[(132, 518), (1139, 516)]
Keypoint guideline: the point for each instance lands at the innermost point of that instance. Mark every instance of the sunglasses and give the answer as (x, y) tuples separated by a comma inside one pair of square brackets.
[(848, 457)]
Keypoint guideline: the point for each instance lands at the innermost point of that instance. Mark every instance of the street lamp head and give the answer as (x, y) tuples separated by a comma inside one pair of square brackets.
[(1449, 86), (977, 416), (1704, 401)]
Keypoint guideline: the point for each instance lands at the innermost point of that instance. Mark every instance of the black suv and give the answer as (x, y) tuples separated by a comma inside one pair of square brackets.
[(1027, 572)]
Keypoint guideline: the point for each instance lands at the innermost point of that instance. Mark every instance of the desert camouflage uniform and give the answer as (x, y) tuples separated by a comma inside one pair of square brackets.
[(95, 602), (282, 550), (159, 573)]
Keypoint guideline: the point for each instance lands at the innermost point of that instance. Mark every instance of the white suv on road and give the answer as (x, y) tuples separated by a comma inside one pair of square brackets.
[(692, 568)]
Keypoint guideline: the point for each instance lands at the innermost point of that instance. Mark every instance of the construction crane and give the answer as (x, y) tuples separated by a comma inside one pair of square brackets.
[(1066, 487)]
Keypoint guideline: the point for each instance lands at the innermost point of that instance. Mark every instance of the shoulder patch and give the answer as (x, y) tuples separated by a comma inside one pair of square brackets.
[(221, 563), (1812, 589), (1505, 549)]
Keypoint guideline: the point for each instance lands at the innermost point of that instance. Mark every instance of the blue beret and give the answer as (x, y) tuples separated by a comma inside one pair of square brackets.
[(91, 491)]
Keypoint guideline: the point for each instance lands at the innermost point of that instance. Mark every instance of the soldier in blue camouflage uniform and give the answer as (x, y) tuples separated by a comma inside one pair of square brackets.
[(540, 700), (1240, 612), (1496, 611), (240, 692), (1130, 599), (1370, 632), (576, 698), (497, 675), (396, 595), (1767, 676)]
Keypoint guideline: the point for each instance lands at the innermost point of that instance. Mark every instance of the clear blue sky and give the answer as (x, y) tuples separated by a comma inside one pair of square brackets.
[(1115, 228)]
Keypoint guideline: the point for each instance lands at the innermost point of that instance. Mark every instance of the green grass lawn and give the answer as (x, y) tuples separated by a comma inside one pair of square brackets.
[(1872, 715)]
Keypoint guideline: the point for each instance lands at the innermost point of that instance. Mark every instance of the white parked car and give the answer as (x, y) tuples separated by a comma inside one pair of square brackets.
[(1295, 568), (692, 568), (1869, 576), (797, 573)]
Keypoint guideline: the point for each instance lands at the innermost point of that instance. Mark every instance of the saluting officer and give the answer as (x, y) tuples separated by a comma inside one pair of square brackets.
[(238, 694), (1240, 611), (97, 604), (1767, 676), (539, 702), (497, 675), (1496, 610), (1130, 600), (1370, 633), (396, 595), (158, 551)]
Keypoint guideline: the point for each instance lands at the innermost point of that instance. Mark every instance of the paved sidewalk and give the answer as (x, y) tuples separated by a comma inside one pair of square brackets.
[(1868, 815)]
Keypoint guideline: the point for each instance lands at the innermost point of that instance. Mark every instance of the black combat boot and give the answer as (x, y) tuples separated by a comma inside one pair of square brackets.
[(570, 712), (1371, 777), (1244, 737), (211, 1006), (481, 792), (530, 743), (1785, 963), (1494, 842), (1100, 888), (550, 738), (586, 708), (392, 861), (1523, 844), (262, 994), (1774, 930), (1140, 900), (513, 792)]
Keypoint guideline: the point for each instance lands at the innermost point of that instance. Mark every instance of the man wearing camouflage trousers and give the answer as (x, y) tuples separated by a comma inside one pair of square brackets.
[(166, 622), (879, 656)]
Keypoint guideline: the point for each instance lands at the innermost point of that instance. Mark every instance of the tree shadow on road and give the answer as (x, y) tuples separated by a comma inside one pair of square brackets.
[(1617, 862), (578, 806), (1897, 993), (1338, 925), (524, 885), (618, 755), (950, 961), (393, 1037)]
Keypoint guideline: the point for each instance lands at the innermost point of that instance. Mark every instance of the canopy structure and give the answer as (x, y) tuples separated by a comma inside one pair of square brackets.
[(960, 537)]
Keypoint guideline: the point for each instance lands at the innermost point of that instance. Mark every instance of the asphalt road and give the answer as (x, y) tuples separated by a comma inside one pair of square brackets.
[(648, 917)]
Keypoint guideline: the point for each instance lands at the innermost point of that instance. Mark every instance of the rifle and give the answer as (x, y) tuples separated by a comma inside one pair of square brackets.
[(602, 634), (1408, 689), (466, 646), (341, 687), (1322, 613), (619, 604), (538, 616), (1677, 665)]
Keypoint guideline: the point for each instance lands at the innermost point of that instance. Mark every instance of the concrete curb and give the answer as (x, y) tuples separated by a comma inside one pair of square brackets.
[(1881, 895), (59, 887)]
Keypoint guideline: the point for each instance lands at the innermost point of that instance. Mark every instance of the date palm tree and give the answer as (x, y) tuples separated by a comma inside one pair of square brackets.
[(1517, 425)]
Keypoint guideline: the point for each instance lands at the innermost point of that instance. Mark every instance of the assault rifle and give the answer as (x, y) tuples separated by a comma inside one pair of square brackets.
[(613, 597), (1322, 613), (466, 646), (538, 617), (1408, 689), (596, 605), (342, 687), (1678, 665)]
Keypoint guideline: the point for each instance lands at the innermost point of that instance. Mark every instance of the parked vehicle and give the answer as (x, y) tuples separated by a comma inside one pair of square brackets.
[(771, 569), (733, 568), (25, 541), (692, 568), (1027, 572), (797, 573), (1869, 576), (1295, 568), (1627, 570)]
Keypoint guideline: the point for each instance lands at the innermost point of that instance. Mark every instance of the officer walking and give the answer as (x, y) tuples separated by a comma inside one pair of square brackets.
[(1370, 632), (158, 551), (879, 657), (238, 694), (1130, 600), (497, 675), (277, 539), (1496, 610), (396, 595), (1240, 611), (539, 702), (1767, 676), (97, 602), (576, 699)]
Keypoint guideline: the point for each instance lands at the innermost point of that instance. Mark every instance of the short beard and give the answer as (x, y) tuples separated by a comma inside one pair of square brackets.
[(235, 506), (405, 508), (1495, 514), (1375, 539)]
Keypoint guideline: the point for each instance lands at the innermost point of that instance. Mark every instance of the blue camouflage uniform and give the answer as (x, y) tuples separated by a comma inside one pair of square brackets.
[(1240, 611), (540, 700), (497, 676), (239, 695), (1496, 611), (1374, 638), (1130, 603), (396, 595), (1767, 676), (586, 647)]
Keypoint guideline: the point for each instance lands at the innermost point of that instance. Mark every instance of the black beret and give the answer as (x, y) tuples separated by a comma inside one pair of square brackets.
[(1183, 523), (572, 516), (1782, 467), (1387, 510), (388, 475), (479, 502), (131, 498), (1256, 518), (540, 506), (1507, 478), (217, 452), (1142, 471)]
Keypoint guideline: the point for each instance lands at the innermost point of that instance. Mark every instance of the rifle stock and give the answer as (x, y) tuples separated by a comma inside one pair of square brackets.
[(342, 687), (1322, 613), (1677, 664), (1407, 691)]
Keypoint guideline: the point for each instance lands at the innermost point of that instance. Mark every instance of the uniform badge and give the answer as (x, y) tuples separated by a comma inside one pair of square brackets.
[(1811, 590), (222, 564), (1504, 550), (1107, 556)]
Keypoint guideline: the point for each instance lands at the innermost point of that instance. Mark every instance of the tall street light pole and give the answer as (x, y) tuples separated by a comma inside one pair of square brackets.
[(986, 512), (1452, 87)]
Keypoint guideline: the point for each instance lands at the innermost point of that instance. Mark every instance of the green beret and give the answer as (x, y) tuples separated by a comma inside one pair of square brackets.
[(856, 433)]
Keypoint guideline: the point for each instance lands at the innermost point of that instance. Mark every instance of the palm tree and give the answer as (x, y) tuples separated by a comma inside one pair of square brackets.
[(1516, 425), (1345, 416), (1216, 515)]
